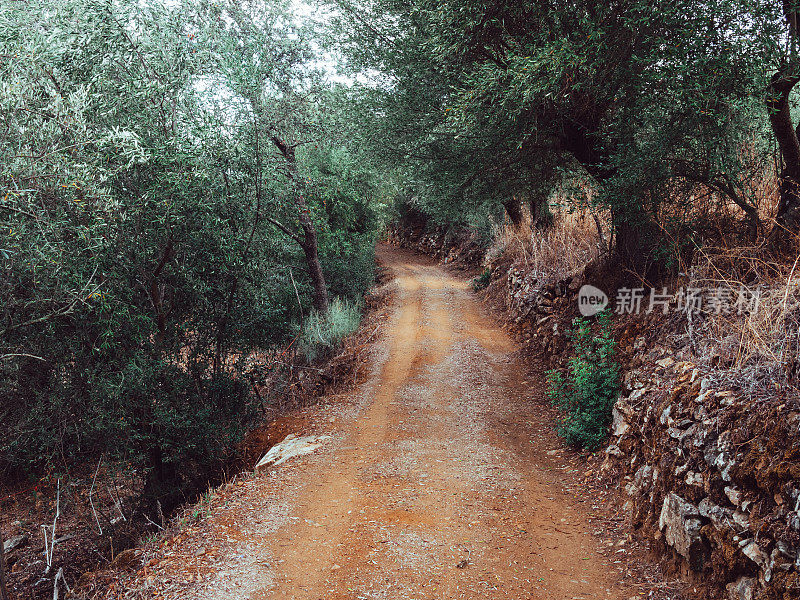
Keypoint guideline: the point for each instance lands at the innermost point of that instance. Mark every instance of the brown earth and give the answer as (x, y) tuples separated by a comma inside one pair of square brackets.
[(442, 480)]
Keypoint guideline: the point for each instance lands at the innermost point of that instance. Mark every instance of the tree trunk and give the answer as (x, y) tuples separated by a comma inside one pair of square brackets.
[(308, 242), (310, 249), (541, 217), (3, 589), (787, 219), (513, 210)]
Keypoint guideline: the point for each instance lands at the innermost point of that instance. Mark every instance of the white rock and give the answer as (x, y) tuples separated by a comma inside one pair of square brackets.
[(613, 450), (643, 476), (701, 398), (733, 494), (680, 522), (636, 394), (725, 463), (742, 589), (724, 443), (15, 542), (693, 478), (752, 551), (779, 560), (290, 447), (719, 516), (619, 425), (741, 519)]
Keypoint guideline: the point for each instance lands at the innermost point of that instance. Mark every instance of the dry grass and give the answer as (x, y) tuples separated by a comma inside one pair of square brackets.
[(554, 253), (756, 350), (756, 346)]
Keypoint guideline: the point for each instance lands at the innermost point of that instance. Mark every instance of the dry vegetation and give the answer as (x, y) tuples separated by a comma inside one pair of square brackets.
[(756, 348), (754, 343), (555, 253)]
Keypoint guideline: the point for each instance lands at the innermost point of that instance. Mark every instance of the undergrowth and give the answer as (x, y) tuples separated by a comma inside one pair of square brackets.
[(556, 252), (590, 386), (322, 333), (751, 337), (482, 281)]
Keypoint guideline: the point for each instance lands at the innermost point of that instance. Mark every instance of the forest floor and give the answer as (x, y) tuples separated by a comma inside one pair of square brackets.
[(442, 479)]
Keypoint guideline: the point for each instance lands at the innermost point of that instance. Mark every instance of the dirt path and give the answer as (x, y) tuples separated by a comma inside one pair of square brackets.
[(441, 482)]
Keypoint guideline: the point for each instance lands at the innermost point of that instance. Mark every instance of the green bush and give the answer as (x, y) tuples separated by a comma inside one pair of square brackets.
[(137, 269), (322, 333), (482, 281), (590, 387)]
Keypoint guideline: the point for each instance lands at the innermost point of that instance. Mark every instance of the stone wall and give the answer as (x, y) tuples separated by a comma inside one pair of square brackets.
[(440, 243), (712, 476), (539, 310)]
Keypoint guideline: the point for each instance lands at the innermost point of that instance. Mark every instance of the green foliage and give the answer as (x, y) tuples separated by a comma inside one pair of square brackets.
[(139, 256), (348, 196), (591, 385), (482, 281), (323, 333), (647, 103)]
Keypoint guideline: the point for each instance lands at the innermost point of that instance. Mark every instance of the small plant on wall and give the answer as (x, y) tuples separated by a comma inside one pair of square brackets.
[(588, 389)]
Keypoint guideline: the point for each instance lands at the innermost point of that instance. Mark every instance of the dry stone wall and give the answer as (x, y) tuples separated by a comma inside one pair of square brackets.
[(439, 243), (541, 310), (711, 476)]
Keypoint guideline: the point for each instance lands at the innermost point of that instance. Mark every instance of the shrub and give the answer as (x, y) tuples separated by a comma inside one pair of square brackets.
[(322, 333), (482, 281), (589, 388)]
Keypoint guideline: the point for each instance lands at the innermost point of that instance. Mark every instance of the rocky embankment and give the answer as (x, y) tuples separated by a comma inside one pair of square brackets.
[(711, 475), (462, 246)]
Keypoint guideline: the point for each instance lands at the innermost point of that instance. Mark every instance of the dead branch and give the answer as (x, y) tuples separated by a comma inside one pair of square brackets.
[(21, 355), (117, 504), (91, 502), (285, 230), (50, 545), (60, 576)]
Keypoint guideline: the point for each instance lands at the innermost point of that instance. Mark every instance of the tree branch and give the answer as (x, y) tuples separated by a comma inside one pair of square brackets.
[(285, 230)]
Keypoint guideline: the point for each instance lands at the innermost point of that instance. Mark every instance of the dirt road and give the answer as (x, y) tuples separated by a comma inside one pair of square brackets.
[(441, 481)]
